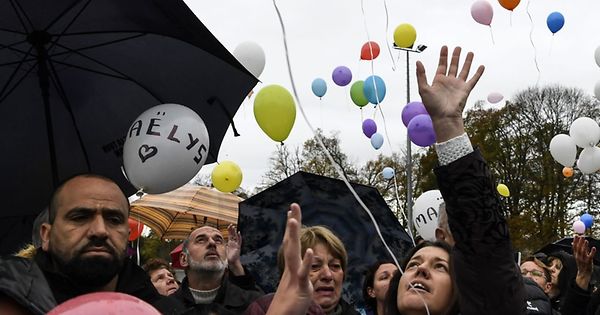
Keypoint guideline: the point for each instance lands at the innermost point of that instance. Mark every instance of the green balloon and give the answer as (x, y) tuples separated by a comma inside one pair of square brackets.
[(357, 94)]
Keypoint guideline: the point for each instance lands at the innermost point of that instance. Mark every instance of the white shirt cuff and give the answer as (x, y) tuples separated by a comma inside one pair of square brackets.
[(453, 149)]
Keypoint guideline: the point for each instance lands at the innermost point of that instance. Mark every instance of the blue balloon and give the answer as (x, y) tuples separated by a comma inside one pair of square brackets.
[(375, 96), (376, 140), (587, 219), (388, 172), (555, 21), (319, 87)]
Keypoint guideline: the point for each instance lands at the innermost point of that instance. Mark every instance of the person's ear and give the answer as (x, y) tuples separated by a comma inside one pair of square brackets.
[(440, 235), (548, 287), (371, 292), (45, 229), (183, 259)]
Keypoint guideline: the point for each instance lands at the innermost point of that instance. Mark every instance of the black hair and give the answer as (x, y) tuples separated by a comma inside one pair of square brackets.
[(391, 307), (369, 282)]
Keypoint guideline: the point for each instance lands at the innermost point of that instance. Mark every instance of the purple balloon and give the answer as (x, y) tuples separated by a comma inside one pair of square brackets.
[(341, 75), (411, 110), (369, 127), (420, 130)]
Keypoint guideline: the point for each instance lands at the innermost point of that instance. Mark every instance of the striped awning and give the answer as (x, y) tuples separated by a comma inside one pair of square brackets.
[(175, 214)]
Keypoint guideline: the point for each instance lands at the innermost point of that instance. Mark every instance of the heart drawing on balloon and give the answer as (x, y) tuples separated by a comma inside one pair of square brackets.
[(145, 152)]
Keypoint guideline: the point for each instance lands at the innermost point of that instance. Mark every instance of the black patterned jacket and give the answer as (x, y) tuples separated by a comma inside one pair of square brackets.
[(488, 279)]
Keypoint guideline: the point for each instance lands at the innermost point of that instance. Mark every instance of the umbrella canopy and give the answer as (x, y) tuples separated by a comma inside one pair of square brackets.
[(74, 75), (565, 244), (324, 201), (175, 214)]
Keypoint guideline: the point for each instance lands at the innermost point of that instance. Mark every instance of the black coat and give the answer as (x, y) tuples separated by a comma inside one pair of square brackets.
[(23, 281), (132, 280), (487, 277), (537, 301), (231, 298)]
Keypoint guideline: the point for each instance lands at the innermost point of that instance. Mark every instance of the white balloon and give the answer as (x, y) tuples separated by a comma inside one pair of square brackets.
[(597, 56), (563, 149), (425, 213), (589, 160), (597, 90), (164, 148), (585, 132), (495, 97), (252, 56)]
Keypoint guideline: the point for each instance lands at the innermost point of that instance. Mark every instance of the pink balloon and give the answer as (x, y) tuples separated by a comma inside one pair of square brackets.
[(482, 12), (104, 303), (579, 227), (494, 97)]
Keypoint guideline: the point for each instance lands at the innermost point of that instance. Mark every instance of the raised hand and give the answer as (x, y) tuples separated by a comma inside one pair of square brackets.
[(584, 257), (447, 95), (234, 247), (294, 293)]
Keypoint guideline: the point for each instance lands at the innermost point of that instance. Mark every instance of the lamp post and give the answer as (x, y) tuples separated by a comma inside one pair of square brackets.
[(409, 204)]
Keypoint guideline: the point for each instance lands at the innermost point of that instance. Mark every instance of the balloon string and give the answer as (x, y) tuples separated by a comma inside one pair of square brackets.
[(320, 142), (492, 35), (401, 210), (385, 129), (330, 158), (387, 42), (510, 17), (362, 7), (533, 45)]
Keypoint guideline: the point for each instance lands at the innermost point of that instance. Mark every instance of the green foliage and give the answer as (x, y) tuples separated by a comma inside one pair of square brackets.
[(154, 247)]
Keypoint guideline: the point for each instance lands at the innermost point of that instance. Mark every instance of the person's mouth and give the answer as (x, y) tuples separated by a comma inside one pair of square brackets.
[(325, 291), (418, 286)]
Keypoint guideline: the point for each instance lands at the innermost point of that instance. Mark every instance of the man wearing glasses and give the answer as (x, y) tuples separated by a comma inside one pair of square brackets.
[(538, 283)]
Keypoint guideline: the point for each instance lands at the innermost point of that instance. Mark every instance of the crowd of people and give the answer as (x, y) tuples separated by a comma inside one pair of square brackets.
[(469, 269)]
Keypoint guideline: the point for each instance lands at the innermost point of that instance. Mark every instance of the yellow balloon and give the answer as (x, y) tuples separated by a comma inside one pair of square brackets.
[(503, 190), (275, 111), (227, 176), (405, 35)]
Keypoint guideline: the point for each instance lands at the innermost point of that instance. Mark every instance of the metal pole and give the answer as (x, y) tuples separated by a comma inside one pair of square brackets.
[(408, 153)]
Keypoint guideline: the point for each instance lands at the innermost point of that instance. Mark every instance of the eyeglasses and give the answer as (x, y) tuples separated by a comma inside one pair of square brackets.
[(535, 273)]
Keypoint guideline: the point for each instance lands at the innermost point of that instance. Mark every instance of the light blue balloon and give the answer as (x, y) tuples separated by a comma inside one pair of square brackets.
[(319, 87), (375, 96), (587, 219), (388, 172), (376, 140), (555, 22)]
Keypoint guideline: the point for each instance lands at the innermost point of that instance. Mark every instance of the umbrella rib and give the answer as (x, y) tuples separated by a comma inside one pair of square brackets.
[(17, 83), (171, 223), (12, 75), (96, 45), (12, 31), (18, 12), (58, 84), (227, 113), (91, 70), (67, 9), (10, 46), (115, 70)]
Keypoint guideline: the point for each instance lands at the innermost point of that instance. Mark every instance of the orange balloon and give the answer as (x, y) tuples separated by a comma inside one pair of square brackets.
[(369, 51), (568, 171), (509, 4)]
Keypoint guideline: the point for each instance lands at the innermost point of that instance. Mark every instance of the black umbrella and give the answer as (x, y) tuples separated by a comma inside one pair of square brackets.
[(324, 201), (565, 244), (74, 74)]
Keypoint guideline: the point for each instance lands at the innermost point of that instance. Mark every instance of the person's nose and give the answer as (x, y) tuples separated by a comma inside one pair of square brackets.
[(326, 274), (98, 227), (423, 271)]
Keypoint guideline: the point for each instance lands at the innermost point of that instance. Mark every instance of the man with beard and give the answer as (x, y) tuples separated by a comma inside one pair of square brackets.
[(215, 279), (83, 246)]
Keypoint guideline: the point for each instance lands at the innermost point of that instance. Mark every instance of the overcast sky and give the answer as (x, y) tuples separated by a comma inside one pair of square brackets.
[(324, 34)]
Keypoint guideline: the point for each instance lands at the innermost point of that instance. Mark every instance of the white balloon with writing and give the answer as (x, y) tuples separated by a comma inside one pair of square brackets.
[(425, 213), (164, 148)]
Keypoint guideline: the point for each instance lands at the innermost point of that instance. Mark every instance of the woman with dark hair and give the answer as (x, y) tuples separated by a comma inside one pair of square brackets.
[(427, 284), (375, 286)]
